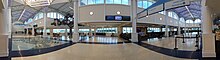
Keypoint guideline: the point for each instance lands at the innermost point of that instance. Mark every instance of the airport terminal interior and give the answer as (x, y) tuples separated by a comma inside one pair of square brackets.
[(109, 30)]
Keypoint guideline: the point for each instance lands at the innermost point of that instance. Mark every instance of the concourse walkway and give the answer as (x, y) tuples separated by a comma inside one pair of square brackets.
[(103, 40), (81, 51), (169, 43)]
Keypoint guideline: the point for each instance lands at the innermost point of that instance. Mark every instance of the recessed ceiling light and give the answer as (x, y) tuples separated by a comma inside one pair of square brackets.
[(147, 16), (161, 19), (118, 12), (91, 13)]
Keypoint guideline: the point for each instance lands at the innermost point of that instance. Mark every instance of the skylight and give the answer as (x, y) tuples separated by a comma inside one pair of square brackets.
[(38, 3)]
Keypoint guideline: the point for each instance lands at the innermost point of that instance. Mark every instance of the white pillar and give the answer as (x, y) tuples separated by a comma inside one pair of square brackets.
[(51, 32), (90, 31), (95, 31), (66, 33), (208, 49), (120, 30), (45, 24), (185, 29), (33, 33), (27, 31), (4, 32), (76, 18), (134, 35), (9, 22), (166, 24), (179, 31)]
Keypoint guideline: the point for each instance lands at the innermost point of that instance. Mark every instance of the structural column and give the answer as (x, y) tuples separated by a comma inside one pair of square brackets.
[(76, 18), (120, 30), (27, 32), (134, 35), (95, 31), (45, 24), (90, 31), (5, 17), (51, 32), (166, 24), (66, 33), (179, 30), (33, 32), (208, 40)]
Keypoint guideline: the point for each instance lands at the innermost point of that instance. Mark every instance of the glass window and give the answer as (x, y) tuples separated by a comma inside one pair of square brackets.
[(125, 2), (127, 29), (55, 15), (189, 21), (109, 1), (59, 30), (99, 1), (140, 4), (83, 2), (197, 21), (91, 1), (106, 30), (117, 1), (145, 4), (149, 3)]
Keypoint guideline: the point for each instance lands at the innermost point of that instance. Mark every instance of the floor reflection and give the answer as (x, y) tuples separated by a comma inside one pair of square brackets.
[(102, 39), (28, 43), (170, 43)]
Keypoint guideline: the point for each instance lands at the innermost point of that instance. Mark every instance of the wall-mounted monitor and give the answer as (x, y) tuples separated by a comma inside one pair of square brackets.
[(117, 18), (110, 17)]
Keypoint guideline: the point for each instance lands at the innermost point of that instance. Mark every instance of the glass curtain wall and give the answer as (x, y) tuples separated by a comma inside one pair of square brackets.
[(106, 30), (141, 3), (40, 15), (127, 29)]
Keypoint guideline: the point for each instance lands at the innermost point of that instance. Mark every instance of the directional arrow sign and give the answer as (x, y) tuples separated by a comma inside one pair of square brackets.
[(176, 3)]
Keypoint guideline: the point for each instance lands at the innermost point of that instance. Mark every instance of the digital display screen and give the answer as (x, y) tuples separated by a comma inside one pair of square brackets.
[(110, 17), (126, 18), (118, 17)]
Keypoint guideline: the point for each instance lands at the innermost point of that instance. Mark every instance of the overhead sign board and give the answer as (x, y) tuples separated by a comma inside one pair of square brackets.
[(155, 9), (176, 3)]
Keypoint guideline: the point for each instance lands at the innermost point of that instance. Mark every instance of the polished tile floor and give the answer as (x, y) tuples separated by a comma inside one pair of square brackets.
[(28, 43), (102, 39), (189, 44), (125, 51), (80, 51)]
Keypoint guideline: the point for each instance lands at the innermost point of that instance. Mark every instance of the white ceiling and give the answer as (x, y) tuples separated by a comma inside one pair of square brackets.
[(60, 6)]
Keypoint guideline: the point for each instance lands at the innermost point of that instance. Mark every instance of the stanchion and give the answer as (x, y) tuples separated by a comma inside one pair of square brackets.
[(183, 39), (175, 44)]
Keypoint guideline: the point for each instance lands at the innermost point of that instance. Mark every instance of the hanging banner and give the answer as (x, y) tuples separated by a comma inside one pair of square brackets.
[(156, 9), (176, 3)]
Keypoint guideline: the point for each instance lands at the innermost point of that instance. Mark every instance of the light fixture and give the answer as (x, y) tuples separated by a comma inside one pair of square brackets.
[(71, 8), (37, 3), (161, 19), (91, 13), (147, 16), (40, 22), (118, 12)]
